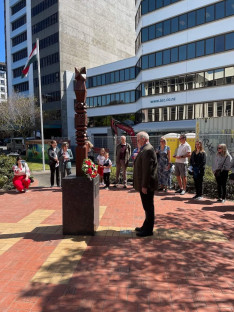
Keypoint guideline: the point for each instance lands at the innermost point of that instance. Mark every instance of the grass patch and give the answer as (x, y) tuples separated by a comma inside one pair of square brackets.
[(34, 166)]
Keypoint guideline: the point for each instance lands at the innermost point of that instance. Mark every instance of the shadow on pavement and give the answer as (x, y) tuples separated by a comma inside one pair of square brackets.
[(219, 209), (126, 274)]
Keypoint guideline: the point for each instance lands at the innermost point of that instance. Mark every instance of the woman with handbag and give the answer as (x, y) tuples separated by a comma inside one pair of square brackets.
[(221, 166), (65, 156), (198, 162)]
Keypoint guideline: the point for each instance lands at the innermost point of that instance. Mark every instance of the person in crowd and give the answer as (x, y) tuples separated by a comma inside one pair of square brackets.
[(181, 163), (107, 170), (90, 151), (54, 163), (135, 153), (198, 162), (65, 156), (163, 155), (145, 182), (21, 179), (221, 166), (100, 160), (123, 154)]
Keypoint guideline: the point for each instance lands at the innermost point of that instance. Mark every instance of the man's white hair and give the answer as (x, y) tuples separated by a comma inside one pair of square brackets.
[(143, 135)]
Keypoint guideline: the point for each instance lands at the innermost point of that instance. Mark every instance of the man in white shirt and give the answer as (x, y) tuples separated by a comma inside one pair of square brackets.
[(181, 163)]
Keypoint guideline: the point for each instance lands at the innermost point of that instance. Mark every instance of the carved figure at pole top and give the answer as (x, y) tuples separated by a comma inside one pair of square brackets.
[(80, 86)]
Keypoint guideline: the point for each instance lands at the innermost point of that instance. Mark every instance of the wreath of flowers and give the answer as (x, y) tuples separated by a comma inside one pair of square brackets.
[(89, 168)]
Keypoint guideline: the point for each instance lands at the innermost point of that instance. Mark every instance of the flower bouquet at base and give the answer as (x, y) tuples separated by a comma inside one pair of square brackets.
[(89, 169)]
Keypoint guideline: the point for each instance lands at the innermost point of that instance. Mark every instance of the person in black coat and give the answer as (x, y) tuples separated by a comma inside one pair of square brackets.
[(145, 181), (54, 163), (198, 162)]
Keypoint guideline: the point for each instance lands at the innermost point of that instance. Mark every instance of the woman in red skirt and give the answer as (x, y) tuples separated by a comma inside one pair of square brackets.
[(21, 179)]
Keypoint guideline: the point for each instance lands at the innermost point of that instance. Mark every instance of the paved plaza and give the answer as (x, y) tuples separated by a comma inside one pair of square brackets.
[(187, 265)]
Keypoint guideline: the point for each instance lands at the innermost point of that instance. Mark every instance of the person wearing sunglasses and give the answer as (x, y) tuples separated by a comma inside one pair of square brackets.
[(221, 166), (181, 163)]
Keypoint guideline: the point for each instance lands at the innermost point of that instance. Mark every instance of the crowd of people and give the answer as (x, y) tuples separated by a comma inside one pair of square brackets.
[(186, 161), (152, 170)]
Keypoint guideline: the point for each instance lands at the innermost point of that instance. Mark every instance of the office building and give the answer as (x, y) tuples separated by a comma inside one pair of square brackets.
[(3, 82), (71, 33), (183, 69)]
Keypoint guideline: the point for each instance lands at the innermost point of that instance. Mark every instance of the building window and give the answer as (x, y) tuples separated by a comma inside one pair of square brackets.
[(229, 75), (17, 72), (229, 7), (21, 87), (184, 21), (18, 39), (219, 10), (18, 23), (51, 20), (20, 55), (48, 41), (43, 6), (18, 6)]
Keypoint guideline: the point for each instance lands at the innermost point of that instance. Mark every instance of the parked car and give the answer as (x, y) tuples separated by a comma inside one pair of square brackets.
[(5, 141), (18, 145)]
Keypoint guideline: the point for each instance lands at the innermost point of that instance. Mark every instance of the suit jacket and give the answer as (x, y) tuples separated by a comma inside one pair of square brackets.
[(145, 169), (61, 159), (127, 154), (52, 154)]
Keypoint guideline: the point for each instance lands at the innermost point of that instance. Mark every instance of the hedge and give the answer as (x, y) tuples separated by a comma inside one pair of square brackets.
[(209, 184)]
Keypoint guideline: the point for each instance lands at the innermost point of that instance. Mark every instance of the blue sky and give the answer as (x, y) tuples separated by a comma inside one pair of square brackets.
[(2, 35)]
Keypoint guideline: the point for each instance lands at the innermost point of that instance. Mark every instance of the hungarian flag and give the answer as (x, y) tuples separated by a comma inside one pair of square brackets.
[(32, 58)]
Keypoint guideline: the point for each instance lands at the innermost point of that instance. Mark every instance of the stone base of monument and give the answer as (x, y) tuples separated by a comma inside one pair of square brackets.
[(80, 205)]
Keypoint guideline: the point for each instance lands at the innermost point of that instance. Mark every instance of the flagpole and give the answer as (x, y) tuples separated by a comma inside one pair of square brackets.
[(40, 101)]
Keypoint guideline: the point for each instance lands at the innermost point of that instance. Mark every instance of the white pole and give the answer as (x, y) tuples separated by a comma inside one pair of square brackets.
[(40, 101)]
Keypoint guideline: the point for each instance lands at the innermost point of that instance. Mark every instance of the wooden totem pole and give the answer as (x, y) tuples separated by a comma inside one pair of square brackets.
[(80, 194), (80, 118)]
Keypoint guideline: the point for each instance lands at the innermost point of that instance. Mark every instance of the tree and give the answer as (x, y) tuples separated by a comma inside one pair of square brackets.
[(19, 116)]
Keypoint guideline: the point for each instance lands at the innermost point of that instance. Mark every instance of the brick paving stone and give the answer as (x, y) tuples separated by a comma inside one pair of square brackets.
[(186, 266)]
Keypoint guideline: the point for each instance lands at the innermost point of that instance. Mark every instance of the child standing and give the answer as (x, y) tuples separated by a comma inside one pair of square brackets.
[(107, 169), (101, 159)]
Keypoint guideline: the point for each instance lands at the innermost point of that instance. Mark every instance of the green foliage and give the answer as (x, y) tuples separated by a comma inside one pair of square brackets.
[(129, 174), (6, 172)]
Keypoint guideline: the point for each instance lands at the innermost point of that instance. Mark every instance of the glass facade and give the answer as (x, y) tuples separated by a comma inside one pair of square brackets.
[(147, 6), (42, 6), (51, 20), (170, 113), (191, 19), (191, 81), (181, 53)]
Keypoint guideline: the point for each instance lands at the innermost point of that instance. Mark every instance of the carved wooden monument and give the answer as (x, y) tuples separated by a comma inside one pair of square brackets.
[(80, 118), (80, 194)]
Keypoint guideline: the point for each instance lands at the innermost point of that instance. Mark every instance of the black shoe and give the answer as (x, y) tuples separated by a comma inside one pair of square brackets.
[(196, 196), (138, 229), (51, 186), (219, 200), (144, 234), (178, 191)]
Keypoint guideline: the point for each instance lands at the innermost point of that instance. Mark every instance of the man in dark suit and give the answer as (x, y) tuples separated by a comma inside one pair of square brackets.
[(145, 181), (53, 162)]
